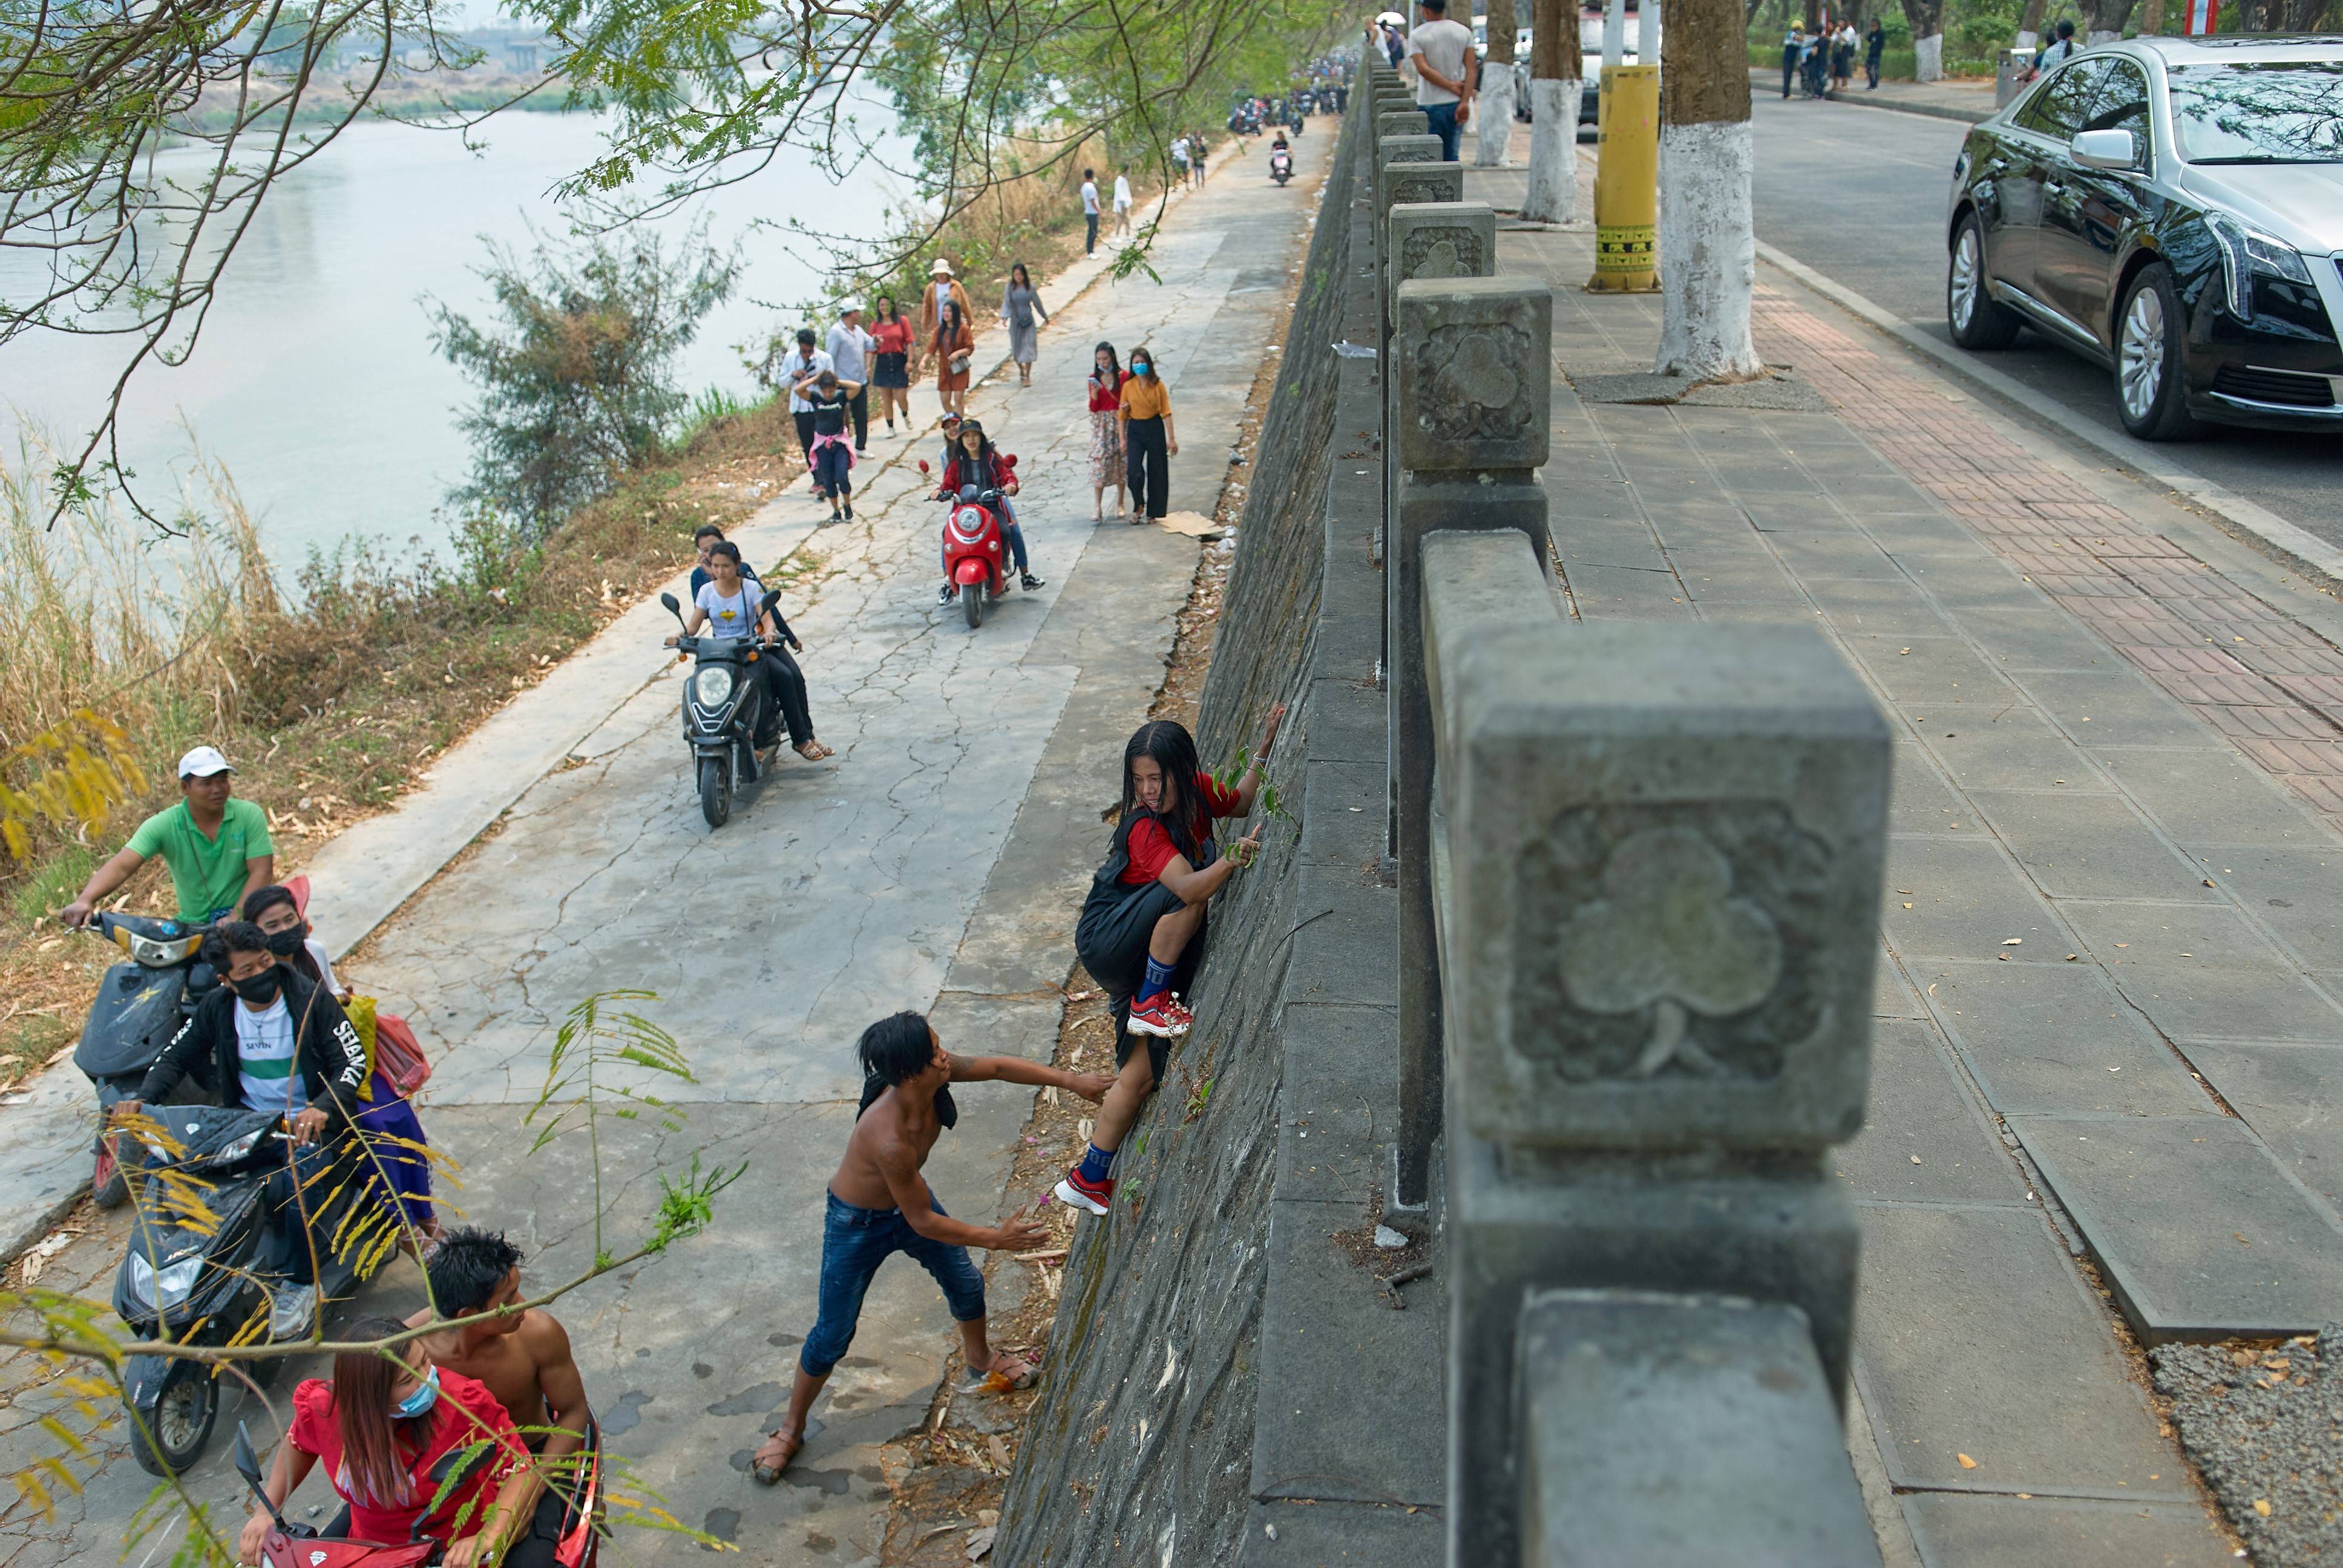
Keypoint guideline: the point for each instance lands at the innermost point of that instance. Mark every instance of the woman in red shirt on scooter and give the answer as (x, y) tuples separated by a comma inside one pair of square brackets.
[(379, 1427), (975, 461)]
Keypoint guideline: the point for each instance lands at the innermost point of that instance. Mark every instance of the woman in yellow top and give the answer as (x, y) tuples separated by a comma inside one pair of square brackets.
[(1149, 441)]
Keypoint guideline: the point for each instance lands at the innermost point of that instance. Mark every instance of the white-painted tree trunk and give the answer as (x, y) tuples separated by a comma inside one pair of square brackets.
[(2026, 40), (2099, 35), (1553, 195), (1928, 54), (1494, 114), (1708, 251)]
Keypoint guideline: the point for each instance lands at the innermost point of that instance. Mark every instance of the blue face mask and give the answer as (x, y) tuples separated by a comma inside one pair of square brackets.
[(1139, 368), (421, 1402)]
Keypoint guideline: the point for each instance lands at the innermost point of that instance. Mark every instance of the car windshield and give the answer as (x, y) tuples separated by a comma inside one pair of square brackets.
[(2260, 112)]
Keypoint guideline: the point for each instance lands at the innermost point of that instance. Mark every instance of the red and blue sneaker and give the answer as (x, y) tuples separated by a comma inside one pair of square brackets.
[(1084, 1193), (1160, 1015)]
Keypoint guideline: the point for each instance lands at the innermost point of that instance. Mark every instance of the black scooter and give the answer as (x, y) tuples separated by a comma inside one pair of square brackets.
[(202, 1247), (140, 1005), (724, 711)]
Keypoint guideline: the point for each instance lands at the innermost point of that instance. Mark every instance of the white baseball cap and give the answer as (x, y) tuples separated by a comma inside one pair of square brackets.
[(203, 762)]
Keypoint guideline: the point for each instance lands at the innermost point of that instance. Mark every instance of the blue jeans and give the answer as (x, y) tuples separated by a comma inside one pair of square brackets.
[(854, 1243), (1442, 117)]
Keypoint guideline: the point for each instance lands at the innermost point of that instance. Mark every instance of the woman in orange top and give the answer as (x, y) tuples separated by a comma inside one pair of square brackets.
[(955, 350), (1149, 442)]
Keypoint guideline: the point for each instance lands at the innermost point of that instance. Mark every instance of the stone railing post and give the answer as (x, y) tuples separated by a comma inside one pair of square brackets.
[(1665, 852), (1404, 149), (1470, 365), (1400, 123)]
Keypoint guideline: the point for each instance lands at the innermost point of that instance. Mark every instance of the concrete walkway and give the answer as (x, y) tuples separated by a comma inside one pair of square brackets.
[(1965, 98), (937, 863), (2111, 1036)]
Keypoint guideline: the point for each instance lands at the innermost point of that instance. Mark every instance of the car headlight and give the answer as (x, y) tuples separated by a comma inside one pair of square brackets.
[(166, 1287), (712, 686), (2246, 251)]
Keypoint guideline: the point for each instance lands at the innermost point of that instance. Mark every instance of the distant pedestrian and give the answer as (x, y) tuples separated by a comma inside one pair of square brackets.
[(1843, 55), (2062, 48), (1815, 62), (850, 347), (1180, 158), (1149, 441), (1196, 155), (1874, 45), (1440, 57), (832, 395), (1793, 49), (954, 346), (1021, 304), (1105, 383), (1122, 203), (798, 370), (892, 351), (1089, 213)]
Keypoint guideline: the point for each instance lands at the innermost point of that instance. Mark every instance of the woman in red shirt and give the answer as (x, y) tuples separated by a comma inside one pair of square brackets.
[(1142, 928), (381, 1427), (1106, 378), (893, 350)]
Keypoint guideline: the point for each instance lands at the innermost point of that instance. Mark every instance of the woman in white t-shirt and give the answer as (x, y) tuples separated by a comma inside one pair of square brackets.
[(1122, 204), (729, 605)]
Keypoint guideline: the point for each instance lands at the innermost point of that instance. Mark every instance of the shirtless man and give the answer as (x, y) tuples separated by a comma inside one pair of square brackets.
[(523, 1359), (880, 1204)]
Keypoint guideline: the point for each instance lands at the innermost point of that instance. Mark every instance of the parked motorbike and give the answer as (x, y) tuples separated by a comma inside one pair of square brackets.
[(202, 1247), (140, 1005), (1281, 165), (976, 550), (724, 711), (580, 1545)]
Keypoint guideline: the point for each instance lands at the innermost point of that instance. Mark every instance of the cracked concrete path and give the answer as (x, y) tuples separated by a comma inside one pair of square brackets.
[(936, 863)]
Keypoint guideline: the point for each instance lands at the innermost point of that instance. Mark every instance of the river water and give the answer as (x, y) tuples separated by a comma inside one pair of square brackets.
[(314, 383)]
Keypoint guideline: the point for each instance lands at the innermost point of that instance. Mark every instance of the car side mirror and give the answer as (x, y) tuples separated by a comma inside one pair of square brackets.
[(2104, 150)]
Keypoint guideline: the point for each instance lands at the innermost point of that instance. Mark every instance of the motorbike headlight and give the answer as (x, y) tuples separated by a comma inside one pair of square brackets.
[(166, 1287), (242, 1146), (2246, 251), (712, 686)]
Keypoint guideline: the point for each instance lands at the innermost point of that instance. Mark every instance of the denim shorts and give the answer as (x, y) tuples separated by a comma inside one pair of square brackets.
[(854, 1243)]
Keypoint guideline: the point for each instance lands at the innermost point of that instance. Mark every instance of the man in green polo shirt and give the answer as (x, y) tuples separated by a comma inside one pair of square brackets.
[(216, 847)]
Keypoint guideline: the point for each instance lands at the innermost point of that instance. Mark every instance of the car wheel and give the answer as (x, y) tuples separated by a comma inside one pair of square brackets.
[(1978, 320), (2149, 393)]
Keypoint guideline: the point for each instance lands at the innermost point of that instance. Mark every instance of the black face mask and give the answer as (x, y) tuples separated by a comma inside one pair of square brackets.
[(259, 990), (286, 943)]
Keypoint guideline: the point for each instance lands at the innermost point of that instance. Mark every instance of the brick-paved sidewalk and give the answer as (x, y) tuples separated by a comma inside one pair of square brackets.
[(2083, 708)]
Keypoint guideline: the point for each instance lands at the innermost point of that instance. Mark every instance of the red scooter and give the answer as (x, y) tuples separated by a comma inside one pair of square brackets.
[(976, 551)]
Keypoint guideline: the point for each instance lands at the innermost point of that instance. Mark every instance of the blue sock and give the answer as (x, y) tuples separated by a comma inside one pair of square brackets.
[(1159, 980), (1098, 1164)]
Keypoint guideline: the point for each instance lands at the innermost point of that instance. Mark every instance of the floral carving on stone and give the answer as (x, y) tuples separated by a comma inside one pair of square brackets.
[(1424, 188), (1442, 252), (1470, 386), (1670, 941)]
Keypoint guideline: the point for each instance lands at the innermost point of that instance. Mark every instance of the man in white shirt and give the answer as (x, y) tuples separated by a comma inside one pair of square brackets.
[(1440, 57), (847, 346), (1090, 211), (799, 370), (1122, 203)]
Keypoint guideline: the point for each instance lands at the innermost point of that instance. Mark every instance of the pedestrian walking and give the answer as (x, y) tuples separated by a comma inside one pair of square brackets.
[(878, 1203), (1089, 213), (1874, 45), (1196, 155), (1122, 203), (849, 350), (1843, 56), (943, 287), (892, 350), (1180, 158), (954, 346), (1793, 49), (1441, 57), (1149, 441), (1105, 383), (833, 397), (1020, 305), (799, 370)]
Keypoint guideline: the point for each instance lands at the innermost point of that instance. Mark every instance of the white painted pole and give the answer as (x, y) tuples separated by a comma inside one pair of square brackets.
[(1615, 32), (1647, 33)]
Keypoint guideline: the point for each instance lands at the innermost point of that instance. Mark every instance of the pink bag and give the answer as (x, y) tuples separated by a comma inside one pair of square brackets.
[(398, 1055)]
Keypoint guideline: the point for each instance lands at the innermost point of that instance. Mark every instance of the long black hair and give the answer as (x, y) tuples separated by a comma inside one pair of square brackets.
[(1114, 361), (1174, 751)]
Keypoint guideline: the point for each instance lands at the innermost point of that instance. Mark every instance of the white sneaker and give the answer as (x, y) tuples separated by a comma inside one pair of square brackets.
[(290, 1311)]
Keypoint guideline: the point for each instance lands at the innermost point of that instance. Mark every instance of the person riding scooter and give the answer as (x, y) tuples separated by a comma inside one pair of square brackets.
[(730, 605), (275, 1041), (973, 460)]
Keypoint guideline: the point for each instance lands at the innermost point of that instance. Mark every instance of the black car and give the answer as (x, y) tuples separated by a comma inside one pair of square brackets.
[(2171, 208)]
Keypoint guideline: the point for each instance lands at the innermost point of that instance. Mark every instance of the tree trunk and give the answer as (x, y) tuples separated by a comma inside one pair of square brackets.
[(1707, 238), (1498, 84), (2103, 20), (1926, 19), (2029, 25), (1556, 69), (2151, 18)]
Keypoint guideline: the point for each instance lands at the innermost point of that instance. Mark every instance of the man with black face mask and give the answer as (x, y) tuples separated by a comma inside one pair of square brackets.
[(277, 1042)]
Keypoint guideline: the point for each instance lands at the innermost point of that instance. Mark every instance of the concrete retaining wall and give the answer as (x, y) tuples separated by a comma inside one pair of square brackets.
[(1143, 1447)]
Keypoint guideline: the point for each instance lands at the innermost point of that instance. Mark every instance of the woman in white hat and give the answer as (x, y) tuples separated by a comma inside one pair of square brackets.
[(943, 289), (948, 326)]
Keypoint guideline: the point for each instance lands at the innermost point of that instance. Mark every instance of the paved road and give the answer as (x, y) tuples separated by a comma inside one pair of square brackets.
[(937, 863), (1858, 194)]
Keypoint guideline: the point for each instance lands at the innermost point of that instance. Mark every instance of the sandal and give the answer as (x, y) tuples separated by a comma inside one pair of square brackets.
[(1028, 1369), (814, 751), (787, 1444)]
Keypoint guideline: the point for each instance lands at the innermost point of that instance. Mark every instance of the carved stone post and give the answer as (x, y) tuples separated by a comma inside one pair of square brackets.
[(1408, 149), (1666, 851), (1470, 364), (1400, 123)]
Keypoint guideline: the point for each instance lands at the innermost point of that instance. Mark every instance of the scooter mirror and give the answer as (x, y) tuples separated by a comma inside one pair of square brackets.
[(1007, 459), (923, 466), (770, 600), (673, 609), (247, 1465)]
